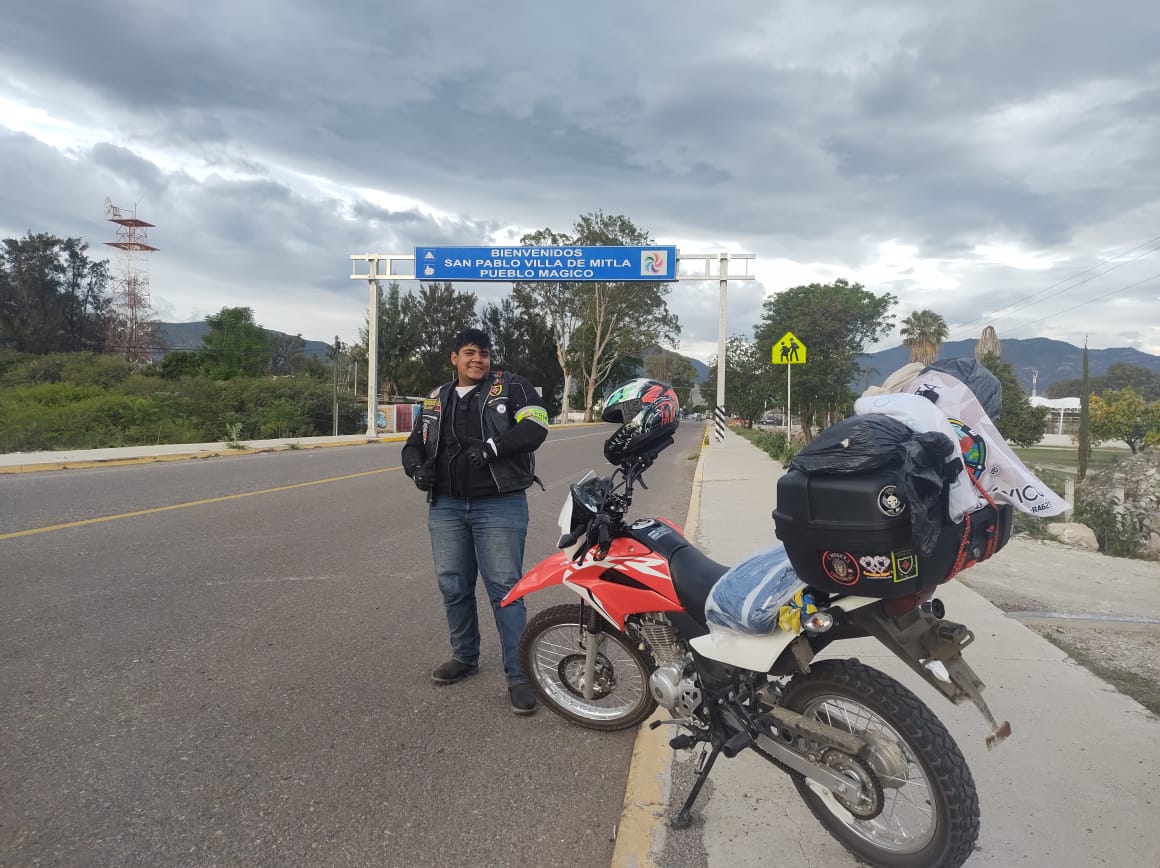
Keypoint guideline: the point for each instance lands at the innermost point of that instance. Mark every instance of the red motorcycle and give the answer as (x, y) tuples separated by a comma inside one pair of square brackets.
[(874, 765)]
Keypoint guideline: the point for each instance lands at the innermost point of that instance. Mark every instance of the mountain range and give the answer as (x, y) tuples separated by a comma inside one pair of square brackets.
[(188, 335)]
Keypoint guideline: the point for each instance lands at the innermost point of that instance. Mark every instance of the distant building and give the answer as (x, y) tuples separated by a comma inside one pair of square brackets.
[(1064, 412)]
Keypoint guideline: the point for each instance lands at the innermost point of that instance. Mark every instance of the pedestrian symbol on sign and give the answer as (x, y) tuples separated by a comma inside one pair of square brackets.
[(789, 351)]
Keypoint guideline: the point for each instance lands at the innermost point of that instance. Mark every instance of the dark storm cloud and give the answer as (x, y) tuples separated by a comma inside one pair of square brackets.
[(813, 134)]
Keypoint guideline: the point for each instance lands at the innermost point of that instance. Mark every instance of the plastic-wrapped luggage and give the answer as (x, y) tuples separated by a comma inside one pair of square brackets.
[(751, 596)]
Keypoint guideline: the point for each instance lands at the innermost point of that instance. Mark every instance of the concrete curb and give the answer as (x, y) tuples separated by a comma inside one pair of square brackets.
[(641, 830), (216, 451), (86, 463)]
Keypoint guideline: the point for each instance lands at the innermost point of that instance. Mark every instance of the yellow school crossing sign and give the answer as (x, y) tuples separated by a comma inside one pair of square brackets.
[(789, 351)]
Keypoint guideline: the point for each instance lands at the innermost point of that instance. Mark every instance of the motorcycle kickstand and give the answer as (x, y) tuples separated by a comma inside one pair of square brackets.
[(684, 817)]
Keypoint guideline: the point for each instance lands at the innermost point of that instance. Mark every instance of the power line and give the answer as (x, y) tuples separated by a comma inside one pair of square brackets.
[(1086, 302), (1034, 300)]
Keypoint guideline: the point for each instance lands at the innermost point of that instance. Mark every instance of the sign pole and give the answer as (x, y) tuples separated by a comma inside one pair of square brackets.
[(373, 352), (722, 324), (788, 368), (788, 351)]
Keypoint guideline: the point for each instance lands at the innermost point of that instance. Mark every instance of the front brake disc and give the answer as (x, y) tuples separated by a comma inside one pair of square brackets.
[(571, 672)]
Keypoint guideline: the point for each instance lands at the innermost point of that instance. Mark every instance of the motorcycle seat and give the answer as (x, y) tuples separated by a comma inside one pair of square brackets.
[(694, 575)]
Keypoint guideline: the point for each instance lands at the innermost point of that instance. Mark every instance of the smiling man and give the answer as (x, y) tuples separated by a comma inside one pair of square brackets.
[(472, 450)]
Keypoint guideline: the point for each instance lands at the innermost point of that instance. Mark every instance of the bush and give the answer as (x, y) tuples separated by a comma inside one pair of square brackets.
[(85, 401), (774, 443), (1119, 533)]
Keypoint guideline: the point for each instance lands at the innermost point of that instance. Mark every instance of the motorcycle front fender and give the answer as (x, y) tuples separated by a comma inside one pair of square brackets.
[(550, 571)]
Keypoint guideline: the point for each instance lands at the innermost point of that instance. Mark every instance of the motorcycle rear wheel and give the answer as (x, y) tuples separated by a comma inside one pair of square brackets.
[(931, 817), (552, 655)]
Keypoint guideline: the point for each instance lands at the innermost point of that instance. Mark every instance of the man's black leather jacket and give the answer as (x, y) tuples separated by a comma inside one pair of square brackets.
[(513, 421)]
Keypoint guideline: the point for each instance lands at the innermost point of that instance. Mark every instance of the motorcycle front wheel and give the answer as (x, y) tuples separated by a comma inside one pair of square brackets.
[(930, 809), (552, 654)]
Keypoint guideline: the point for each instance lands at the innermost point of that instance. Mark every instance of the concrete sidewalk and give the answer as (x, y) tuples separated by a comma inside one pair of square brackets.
[(1075, 785)]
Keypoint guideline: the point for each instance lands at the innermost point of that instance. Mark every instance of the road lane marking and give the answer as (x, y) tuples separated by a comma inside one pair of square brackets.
[(189, 503), (71, 524)]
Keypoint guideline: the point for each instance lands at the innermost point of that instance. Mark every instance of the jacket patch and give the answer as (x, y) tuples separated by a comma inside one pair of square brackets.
[(430, 403), (536, 414), (496, 390)]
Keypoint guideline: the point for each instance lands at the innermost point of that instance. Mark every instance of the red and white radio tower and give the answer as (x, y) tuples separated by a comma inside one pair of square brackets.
[(135, 332)]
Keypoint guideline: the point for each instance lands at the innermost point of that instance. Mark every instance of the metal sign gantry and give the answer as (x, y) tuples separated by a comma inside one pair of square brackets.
[(475, 264)]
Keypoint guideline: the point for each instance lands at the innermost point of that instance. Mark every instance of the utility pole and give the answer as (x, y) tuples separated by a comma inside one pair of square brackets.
[(723, 276), (334, 351)]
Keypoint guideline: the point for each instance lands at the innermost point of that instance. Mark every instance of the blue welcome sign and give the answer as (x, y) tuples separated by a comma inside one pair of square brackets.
[(531, 263)]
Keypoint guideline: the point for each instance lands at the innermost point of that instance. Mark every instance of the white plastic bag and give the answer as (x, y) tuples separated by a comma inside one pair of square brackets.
[(988, 457), (921, 415)]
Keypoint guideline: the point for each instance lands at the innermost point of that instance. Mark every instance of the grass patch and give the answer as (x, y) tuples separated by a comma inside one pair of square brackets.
[(1066, 459), (1143, 690), (775, 444)]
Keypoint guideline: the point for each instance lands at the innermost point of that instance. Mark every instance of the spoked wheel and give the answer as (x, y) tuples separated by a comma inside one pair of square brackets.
[(553, 654), (929, 810)]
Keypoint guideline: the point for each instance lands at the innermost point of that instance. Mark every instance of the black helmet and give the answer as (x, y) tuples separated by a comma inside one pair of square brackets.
[(648, 413)]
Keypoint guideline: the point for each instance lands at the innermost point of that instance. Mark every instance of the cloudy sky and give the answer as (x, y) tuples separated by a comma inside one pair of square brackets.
[(993, 161)]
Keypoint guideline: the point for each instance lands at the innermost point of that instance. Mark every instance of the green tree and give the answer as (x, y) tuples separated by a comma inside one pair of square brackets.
[(619, 319), (87, 303), (53, 298), (1121, 375), (1123, 415), (923, 333), (287, 354), (836, 321), (397, 340), (1018, 421), (747, 379), (235, 346), (674, 369), (522, 342), (1085, 442), (182, 363), (1140, 380), (558, 303), (436, 314)]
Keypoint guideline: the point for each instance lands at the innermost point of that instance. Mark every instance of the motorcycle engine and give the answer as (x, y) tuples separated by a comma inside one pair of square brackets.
[(674, 686)]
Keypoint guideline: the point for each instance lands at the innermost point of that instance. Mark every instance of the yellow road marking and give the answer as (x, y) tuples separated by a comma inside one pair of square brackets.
[(640, 835), (189, 503)]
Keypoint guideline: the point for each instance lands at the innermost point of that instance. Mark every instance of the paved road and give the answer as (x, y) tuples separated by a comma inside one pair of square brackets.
[(244, 680)]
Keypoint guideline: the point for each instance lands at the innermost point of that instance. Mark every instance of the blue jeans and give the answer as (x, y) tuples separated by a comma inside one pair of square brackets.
[(483, 535)]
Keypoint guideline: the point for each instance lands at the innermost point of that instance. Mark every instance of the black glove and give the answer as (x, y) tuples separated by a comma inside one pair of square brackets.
[(424, 478), (479, 453)]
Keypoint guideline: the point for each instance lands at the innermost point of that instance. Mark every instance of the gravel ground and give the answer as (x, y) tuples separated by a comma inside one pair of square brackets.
[(1108, 609)]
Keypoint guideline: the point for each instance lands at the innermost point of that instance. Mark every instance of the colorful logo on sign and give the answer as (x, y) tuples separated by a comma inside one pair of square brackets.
[(654, 262), (973, 447)]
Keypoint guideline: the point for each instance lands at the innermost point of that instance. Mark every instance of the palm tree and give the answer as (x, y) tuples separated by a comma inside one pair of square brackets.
[(923, 332)]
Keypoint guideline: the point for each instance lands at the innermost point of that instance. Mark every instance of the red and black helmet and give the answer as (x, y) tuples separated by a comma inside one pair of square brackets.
[(648, 414)]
